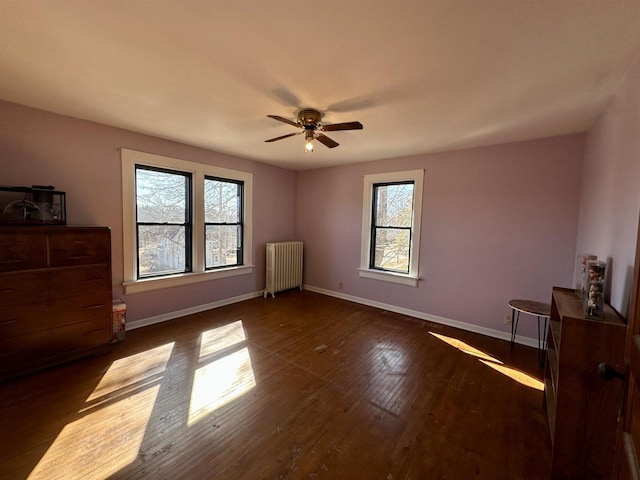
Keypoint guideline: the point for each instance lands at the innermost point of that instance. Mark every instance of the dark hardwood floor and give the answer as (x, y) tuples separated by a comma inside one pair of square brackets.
[(303, 386)]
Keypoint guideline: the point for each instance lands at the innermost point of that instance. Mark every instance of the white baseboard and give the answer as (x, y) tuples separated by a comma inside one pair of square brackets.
[(531, 342), (144, 322)]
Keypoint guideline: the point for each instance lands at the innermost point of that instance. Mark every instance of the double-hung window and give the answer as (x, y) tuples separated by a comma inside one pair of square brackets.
[(391, 226), (223, 222), (163, 221), (183, 222)]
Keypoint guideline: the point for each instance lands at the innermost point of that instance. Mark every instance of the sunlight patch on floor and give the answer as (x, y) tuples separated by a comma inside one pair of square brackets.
[(109, 432), (465, 347), (223, 378), (520, 377), (130, 370), (217, 339), (101, 443)]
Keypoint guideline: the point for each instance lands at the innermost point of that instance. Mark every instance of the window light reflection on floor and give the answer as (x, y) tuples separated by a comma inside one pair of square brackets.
[(99, 444), (518, 376), (108, 433), (130, 370), (465, 347), (494, 363), (227, 373), (217, 339)]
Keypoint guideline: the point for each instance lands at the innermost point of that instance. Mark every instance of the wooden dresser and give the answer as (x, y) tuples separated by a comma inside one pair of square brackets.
[(55, 295), (582, 406)]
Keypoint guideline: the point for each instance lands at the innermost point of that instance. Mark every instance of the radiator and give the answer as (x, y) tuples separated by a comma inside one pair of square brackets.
[(284, 267)]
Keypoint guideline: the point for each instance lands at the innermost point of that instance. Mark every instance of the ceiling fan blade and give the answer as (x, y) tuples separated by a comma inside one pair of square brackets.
[(285, 120), (284, 136), (342, 126), (326, 141)]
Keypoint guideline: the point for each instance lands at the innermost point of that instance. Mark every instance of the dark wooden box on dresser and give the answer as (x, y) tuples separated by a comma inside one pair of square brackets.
[(55, 295), (582, 406)]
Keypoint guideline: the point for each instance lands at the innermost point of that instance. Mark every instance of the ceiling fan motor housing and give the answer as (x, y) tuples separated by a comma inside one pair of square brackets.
[(309, 118)]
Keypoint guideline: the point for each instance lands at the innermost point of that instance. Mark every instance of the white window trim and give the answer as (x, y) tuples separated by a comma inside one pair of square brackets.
[(131, 158), (412, 278)]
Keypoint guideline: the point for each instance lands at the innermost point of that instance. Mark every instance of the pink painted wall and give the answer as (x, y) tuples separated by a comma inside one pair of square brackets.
[(82, 158), (498, 223), (610, 199)]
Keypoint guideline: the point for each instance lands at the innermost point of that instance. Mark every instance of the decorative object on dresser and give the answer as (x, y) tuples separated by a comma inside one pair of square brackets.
[(38, 205), (582, 404), (581, 271), (55, 295), (593, 297)]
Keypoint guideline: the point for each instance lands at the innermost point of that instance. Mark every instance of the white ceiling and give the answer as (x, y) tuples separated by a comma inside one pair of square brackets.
[(421, 75)]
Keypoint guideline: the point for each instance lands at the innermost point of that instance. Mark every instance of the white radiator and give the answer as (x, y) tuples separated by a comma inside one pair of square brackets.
[(284, 267)]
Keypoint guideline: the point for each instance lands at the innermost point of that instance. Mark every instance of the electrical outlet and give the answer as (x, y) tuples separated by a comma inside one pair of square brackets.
[(507, 319), (340, 285)]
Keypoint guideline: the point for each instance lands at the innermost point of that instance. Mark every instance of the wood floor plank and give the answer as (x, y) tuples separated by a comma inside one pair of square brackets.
[(303, 386)]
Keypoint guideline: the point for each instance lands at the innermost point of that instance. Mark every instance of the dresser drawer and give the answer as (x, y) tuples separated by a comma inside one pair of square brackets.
[(83, 279), (22, 252), (42, 285), (22, 319), (51, 343), (23, 287), (79, 247)]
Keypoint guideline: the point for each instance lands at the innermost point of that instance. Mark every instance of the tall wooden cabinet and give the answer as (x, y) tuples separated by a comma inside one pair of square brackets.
[(582, 406), (55, 295)]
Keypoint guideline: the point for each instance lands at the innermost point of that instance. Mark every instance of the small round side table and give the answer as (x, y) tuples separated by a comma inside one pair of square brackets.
[(538, 309)]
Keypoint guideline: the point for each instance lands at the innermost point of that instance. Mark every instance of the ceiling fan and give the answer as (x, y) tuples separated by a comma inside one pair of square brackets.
[(309, 122)]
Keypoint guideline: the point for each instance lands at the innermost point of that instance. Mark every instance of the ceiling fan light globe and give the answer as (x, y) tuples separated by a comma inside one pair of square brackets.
[(308, 147)]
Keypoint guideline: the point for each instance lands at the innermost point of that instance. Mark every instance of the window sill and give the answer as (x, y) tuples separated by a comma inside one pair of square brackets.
[(391, 277), (148, 284)]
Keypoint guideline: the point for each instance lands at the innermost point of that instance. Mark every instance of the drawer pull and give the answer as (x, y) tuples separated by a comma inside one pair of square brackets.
[(92, 280), (8, 322), (607, 372), (14, 260), (96, 332), (78, 257), (93, 307), (7, 290)]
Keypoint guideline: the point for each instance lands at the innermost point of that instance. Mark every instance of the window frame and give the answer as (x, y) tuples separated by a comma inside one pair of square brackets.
[(375, 227), (239, 223), (366, 260), (188, 221), (198, 171)]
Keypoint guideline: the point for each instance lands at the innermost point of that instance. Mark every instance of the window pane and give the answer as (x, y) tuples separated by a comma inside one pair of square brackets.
[(392, 249), (221, 201), (161, 249), (161, 196), (394, 205), (223, 245)]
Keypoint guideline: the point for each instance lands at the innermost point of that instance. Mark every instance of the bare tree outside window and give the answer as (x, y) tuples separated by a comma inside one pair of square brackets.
[(223, 222), (391, 226), (170, 237), (163, 221)]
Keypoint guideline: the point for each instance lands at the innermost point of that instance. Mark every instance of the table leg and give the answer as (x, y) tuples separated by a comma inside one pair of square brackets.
[(515, 315), (542, 342)]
